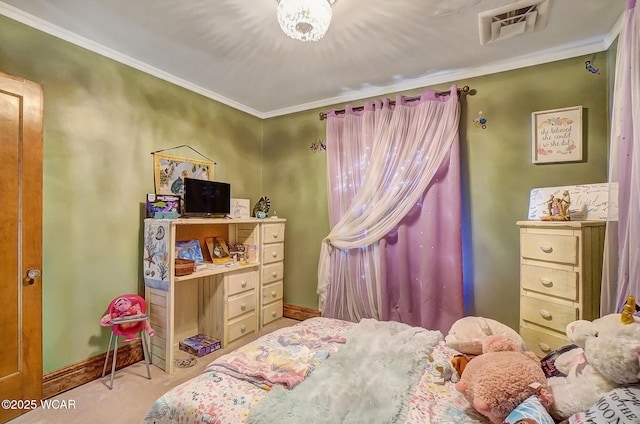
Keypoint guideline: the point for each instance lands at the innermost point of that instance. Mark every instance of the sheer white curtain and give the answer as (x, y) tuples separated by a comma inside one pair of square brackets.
[(621, 274), (380, 163)]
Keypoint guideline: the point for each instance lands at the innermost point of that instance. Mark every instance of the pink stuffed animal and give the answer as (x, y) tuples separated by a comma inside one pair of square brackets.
[(501, 378), (123, 307)]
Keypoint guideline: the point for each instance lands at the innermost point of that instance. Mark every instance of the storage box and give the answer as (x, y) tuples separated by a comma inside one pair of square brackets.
[(184, 267), (240, 208), (163, 206), (199, 345)]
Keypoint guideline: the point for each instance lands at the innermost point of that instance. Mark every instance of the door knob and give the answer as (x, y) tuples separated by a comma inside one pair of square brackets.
[(32, 274)]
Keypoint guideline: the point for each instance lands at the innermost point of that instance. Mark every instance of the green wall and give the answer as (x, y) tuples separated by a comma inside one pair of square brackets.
[(497, 176), (103, 119)]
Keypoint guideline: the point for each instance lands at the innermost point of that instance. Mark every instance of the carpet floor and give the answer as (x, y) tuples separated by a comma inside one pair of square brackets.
[(132, 393)]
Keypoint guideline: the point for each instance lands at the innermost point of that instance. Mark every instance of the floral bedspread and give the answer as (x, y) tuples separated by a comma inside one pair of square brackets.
[(218, 396)]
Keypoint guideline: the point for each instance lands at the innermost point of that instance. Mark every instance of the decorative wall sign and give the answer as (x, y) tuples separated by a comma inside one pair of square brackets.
[(557, 135), (170, 171)]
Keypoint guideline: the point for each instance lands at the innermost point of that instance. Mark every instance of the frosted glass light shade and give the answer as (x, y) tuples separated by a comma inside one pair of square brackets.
[(305, 20)]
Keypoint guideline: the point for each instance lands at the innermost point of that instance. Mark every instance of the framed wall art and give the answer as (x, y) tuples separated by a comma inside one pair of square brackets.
[(170, 170), (557, 135)]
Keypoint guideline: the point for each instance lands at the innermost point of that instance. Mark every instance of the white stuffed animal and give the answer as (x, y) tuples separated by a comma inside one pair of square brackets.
[(609, 357)]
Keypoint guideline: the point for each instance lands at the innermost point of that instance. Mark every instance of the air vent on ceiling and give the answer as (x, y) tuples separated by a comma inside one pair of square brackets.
[(513, 19)]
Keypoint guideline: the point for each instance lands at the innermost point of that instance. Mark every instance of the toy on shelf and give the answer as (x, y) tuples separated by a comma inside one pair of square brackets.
[(261, 208)]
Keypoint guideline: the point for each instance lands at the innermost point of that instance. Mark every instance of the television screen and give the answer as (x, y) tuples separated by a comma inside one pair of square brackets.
[(206, 198)]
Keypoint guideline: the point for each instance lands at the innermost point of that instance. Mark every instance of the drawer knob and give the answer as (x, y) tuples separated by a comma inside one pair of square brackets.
[(274, 254), (546, 282), (274, 293), (544, 313), (243, 284), (546, 248), (544, 347), (243, 328), (274, 274), (243, 306), (273, 314), (275, 235)]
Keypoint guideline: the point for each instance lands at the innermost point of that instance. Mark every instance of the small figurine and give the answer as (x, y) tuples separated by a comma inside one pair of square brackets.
[(550, 205), (558, 208), (564, 203), (480, 121), (261, 209), (589, 67), (318, 146)]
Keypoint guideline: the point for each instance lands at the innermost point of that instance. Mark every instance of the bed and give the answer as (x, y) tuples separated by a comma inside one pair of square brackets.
[(323, 370)]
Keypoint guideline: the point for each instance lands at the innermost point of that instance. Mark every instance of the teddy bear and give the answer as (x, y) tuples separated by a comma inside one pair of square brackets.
[(503, 377), (607, 357)]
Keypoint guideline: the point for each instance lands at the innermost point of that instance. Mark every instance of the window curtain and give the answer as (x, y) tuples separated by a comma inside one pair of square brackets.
[(621, 275), (394, 249)]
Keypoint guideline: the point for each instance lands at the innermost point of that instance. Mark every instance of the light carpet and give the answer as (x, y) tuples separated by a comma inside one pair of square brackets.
[(132, 393)]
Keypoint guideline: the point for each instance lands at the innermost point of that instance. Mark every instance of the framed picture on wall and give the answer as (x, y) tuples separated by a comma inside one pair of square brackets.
[(556, 135), (169, 172)]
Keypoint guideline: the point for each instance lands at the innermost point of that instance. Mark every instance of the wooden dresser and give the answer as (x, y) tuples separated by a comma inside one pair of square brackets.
[(560, 277)]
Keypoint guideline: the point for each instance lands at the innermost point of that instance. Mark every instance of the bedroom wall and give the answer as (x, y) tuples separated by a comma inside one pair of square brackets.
[(101, 121), (497, 176)]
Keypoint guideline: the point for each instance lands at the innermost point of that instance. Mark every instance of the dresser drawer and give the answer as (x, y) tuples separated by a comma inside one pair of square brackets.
[(550, 247), (271, 312), (547, 314), (242, 327), (272, 272), (542, 343), (274, 233), (273, 253), (242, 281), (550, 281), (242, 304), (272, 292)]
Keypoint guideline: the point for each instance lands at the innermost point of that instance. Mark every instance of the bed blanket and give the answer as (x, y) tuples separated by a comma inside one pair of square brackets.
[(286, 358), (348, 389)]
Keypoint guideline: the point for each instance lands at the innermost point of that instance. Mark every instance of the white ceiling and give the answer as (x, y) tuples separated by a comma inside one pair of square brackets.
[(235, 52)]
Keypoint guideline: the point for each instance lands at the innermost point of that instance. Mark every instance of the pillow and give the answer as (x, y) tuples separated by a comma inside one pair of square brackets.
[(466, 334), (621, 405)]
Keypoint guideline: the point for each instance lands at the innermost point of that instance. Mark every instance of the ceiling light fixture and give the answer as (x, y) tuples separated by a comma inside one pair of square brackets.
[(305, 20)]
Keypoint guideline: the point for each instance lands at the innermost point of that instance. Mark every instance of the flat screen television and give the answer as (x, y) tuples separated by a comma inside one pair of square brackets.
[(206, 198)]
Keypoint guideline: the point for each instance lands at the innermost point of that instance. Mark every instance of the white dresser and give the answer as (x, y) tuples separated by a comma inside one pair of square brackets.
[(272, 272), (560, 278)]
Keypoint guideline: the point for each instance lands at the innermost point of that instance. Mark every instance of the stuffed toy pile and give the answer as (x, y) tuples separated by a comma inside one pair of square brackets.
[(607, 358), (502, 379)]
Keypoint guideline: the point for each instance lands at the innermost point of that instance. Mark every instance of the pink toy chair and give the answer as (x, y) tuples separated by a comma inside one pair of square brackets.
[(127, 317)]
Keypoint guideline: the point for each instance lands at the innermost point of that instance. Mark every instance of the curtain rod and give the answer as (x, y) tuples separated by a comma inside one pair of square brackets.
[(463, 90)]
